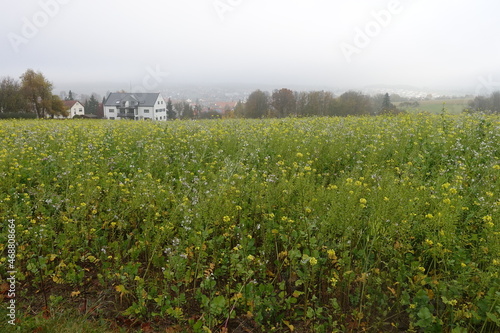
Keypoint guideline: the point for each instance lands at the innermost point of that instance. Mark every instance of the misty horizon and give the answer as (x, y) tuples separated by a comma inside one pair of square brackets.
[(98, 47)]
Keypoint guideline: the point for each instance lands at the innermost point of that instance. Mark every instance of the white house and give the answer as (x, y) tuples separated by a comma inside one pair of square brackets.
[(139, 106), (74, 108)]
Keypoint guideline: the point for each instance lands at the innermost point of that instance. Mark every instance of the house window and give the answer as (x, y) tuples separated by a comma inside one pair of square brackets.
[(80, 110), (112, 118), (111, 110), (146, 111)]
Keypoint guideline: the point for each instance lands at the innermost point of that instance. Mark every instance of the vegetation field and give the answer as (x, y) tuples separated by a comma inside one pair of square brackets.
[(356, 224), (453, 106)]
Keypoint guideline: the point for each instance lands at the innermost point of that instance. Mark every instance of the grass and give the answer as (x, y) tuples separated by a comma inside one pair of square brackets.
[(452, 106), (321, 224)]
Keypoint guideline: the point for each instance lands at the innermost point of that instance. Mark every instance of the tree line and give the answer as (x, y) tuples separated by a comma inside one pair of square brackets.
[(31, 97), (285, 102), (487, 104)]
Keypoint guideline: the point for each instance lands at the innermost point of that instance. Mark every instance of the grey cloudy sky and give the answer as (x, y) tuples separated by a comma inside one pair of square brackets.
[(330, 43)]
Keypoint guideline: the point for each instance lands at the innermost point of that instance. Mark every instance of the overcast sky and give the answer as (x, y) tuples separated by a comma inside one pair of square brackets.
[(332, 43)]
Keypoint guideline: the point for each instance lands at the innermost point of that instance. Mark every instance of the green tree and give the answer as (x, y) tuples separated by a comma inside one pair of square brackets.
[(170, 110), (184, 110), (70, 96), (387, 106), (257, 105), (239, 110), (92, 105), (197, 110), (11, 98), (187, 111), (37, 92), (489, 104)]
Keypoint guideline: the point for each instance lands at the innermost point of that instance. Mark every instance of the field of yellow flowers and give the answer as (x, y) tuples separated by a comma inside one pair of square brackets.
[(376, 224)]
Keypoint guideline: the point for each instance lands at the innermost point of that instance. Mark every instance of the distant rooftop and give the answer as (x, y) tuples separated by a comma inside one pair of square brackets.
[(143, 99)]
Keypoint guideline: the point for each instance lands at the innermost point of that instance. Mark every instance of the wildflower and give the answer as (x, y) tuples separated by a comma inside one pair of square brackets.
[(429, 216), (251, 257), (331, 254), (300, 155), (487, 218), (363, 201), (429, 242), (226, 219), (489, 221), (313, 261)]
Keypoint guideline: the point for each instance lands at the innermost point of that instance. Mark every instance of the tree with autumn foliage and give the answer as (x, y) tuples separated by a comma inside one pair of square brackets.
[(284, 102), (57, 107), (257, 105), (37, 92)]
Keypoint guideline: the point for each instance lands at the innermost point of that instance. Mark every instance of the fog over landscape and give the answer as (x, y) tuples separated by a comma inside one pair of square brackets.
[(99, 46)]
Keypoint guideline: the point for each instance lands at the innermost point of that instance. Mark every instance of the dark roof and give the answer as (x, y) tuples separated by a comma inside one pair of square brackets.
[(143, 99), (69, 104)]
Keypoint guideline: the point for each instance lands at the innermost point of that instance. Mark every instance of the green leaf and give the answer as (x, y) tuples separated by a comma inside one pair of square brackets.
[(217, 305), (493, 318), (425, 317)]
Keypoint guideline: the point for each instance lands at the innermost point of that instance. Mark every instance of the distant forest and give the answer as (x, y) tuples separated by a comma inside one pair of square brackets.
[(284, 103)]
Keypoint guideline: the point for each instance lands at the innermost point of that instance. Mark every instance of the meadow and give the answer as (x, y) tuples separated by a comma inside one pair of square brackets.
[(453, 106), (357, 224)]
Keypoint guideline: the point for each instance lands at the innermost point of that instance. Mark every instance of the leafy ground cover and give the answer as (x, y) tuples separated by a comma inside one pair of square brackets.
[(376, 224)]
